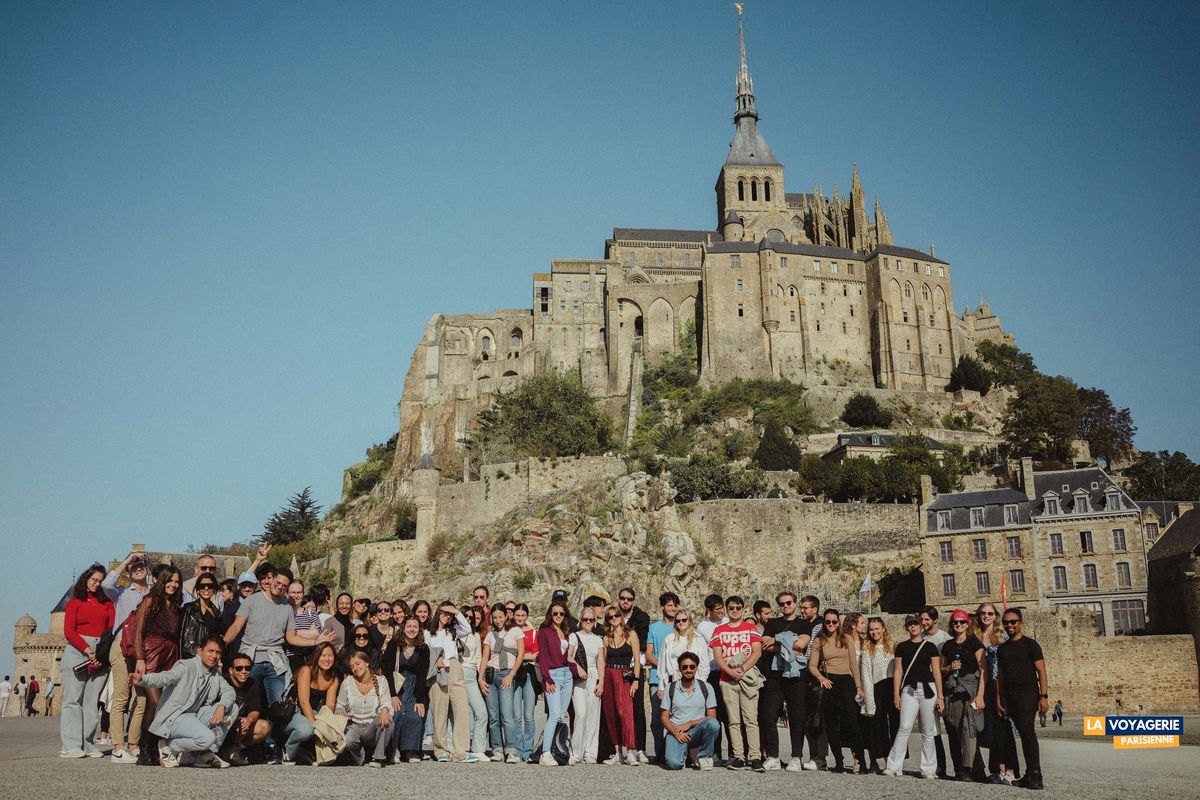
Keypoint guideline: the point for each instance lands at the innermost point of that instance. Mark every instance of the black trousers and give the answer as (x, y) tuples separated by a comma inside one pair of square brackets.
[(639, 715), (814, 722), (1022, 708), (714, 680), (841, 717), (772, 697), (885, 723)]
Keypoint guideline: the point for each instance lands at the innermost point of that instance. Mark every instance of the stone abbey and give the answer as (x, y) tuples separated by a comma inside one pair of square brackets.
[(793, 286)]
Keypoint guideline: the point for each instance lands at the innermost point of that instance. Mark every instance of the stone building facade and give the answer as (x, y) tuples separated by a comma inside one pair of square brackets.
[(1174, 570), (1070, 538), (787, 285)]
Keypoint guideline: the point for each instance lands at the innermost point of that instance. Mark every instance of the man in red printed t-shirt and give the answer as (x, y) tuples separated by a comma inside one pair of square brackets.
[(736, 647)]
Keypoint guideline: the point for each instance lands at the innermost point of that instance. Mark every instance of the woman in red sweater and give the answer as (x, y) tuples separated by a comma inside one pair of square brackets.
[(89, 614)]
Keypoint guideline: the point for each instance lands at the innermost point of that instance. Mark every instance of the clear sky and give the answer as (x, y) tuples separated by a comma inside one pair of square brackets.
[(223, 225)]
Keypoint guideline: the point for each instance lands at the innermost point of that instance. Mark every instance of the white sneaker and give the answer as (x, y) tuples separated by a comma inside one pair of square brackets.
[(809, 765), (72, 754), (547, 760), (105, 742), (795, 765), (633, 760), (771, 764), (513, 758), (641, 757), (209, 759), (94, 754), (473, 758), (375, 764), (122, 756), (894, 773), (704, 763), (928, 776), (589, 760), (613, 760), (572, 761), (170, 760)]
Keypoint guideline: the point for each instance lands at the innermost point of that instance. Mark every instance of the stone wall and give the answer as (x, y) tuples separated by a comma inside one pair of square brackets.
[(785, 535)]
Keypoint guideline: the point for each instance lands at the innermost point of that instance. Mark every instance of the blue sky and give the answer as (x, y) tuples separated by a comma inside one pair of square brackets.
[(223, 226)]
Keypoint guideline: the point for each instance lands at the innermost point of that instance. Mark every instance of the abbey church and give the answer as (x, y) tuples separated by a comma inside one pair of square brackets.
[(793, 286)]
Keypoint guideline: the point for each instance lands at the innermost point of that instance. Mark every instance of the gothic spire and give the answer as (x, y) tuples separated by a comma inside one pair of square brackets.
[(748, 145)]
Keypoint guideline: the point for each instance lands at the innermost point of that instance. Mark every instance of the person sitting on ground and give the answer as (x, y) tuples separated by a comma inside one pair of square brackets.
[(365, 699), (689, 717), (190, 736), (248, 727)]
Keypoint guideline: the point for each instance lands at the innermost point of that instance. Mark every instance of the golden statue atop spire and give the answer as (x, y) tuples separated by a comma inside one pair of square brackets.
[(738, 6)]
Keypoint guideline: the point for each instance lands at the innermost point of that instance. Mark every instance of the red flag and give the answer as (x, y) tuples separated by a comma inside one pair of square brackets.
[(1003, 591)]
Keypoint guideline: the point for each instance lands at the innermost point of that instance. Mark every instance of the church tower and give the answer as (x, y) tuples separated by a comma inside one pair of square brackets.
[(750, 186)]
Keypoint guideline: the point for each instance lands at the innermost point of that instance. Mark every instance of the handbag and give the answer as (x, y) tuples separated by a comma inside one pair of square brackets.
[(280, 712), (578, 663), (103, 647)]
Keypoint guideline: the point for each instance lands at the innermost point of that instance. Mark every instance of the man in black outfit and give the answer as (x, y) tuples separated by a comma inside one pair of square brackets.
[(1023, 691), (639, 622), (779, 690)]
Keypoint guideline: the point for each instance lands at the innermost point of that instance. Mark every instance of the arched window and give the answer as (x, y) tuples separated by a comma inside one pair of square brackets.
[(741, 189), (658, 259), (767, 190), (924, 292), (908, 290), (485, 348), (791, 291), (515, 341), (754, 190)]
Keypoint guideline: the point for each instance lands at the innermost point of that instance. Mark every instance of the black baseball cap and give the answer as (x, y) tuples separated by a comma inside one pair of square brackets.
[(559, 596)]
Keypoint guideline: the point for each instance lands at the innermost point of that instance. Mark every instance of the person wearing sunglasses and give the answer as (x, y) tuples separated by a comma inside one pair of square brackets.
[(585, 694), (156, 642), (917, 692), (962, 666), (245, 721), (784, 672), (637, 621), (201, 617), (552, 646), (1023, 690), (736, 647), (689, 717), (684, 638), (622, 670), (121, 699), (448, 694), (997, 735)]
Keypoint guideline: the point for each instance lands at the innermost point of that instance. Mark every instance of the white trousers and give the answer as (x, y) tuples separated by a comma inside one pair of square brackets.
[(585, 738), (914, 704)]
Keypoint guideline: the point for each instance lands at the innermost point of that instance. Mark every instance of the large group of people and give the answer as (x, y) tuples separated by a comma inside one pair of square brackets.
[(217, 673)]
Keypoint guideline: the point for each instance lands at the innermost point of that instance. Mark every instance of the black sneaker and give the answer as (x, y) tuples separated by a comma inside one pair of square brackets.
[(735, 763), (1031, 781), (757, 765)]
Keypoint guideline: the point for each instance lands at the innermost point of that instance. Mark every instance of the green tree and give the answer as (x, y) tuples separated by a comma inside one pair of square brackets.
[(1008, 365), (549, 414), (817, 476), (969, 374), (290, 523), (775, 450), (705, 476), (1163, 476), (863, 411), (1042, 419), (1108, 431), (858, 479)]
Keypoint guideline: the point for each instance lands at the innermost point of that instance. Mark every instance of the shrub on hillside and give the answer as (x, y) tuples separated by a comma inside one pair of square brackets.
[(706, 477), (775, 450), (969, 374), (864, 411)]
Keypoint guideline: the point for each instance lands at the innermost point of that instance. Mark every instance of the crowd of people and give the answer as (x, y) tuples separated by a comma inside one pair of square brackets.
[(217, 673), (26, 698)]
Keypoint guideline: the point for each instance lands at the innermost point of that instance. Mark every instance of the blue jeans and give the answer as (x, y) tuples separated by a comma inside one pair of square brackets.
[(299, 730), (80, 714), (191, 733), (557, 703), (524, 700), (502, 723), (407, 726), (704, 736)]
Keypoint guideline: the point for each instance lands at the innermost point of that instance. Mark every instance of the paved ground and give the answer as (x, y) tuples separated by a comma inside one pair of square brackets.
[(1075, 770)]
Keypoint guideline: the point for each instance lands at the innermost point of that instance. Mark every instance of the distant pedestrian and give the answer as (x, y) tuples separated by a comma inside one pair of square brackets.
[(6, 691), (1058, 712), (19, 690), (35, 689), (48, 696)]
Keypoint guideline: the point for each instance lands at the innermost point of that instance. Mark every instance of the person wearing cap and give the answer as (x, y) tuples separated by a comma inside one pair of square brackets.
[(917, 692), (247, 584), (962, 666), (125, 600)]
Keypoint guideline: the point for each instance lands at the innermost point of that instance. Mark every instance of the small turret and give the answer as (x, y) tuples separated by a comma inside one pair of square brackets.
[(732, 228)]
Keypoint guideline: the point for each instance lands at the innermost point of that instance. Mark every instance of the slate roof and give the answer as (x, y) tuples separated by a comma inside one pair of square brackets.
[(663, 235), (1181, 538), (61, 606), (1165, 509), (748, 147), (1073, 480), (796, 197), (838, 253), (992, 501), (908, 252)]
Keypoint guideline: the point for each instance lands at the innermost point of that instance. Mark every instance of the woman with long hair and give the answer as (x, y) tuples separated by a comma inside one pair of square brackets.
[(553, 644), (621, 666), (525, 684), (998, 735), (585, 694), (962, 674), (317, 685), (200, 618), (422, 610), (875, 669), (308, 621), (917, 693), (360, 641), (342, 625), (683, 638), (364, 698), (471, 647), (156, 640), (89, 614), (405, 665), (448, 694), (503, 652), (834, 663)]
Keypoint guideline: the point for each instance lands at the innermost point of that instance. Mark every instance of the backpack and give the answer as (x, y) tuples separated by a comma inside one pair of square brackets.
[(671, 692), (560, 745)]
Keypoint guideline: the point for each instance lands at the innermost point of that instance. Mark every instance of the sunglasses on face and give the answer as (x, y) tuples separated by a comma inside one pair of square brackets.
[(733, 608), (783, 603), (239, 669), (362, 636), (383, 611), (687, 667), (1008, 622), (206, 586), (987, 613), (206, 569), (626, 599), (613, 616), (831, 622), (588, 619), (683, 621), (557, 614)]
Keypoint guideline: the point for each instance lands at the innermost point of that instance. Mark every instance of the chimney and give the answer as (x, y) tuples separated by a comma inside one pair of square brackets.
[(1027, 478), (932, 250), (1183, 508), (926, 490)]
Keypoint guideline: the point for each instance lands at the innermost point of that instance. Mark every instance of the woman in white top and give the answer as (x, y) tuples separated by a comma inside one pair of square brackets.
[(365, 699), (585, 693), (683, 638), (448, 694), (471, 649), (875, 663), (503, 652)]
